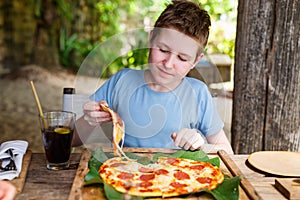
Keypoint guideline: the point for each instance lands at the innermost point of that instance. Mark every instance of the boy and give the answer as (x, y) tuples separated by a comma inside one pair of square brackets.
[(160, 106)]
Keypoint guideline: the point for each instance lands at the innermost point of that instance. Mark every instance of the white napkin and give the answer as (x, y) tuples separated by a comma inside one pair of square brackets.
[(19, 148)]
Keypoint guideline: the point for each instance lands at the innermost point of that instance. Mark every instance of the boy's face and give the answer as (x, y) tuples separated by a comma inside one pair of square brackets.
[(172, 55)]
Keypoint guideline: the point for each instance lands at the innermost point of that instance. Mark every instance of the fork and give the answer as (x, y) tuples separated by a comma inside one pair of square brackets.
[(1, 168), (11, 165)]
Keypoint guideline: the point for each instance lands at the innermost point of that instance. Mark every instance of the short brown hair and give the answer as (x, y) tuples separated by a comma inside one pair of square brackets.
[(188, 18)]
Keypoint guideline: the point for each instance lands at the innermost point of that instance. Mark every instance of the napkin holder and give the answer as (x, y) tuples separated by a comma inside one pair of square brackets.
[(19, 148), (289, 187)]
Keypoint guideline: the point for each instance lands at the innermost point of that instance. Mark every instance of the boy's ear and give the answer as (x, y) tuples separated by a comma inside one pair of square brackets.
[(199, 57)]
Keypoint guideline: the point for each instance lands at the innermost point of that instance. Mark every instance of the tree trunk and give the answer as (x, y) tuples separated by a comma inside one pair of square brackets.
[(85, 24), (85, 20), (16, 32), (47, 38), (27, 37), (266, 102)]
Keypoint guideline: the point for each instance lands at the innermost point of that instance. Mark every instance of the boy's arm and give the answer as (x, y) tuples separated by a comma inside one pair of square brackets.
[(219, 141), (93, 117), (191, 139), (83, 128)]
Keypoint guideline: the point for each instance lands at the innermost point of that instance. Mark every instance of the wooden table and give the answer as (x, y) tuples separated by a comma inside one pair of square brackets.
[(45, 184), (263, 184), (49, 185)]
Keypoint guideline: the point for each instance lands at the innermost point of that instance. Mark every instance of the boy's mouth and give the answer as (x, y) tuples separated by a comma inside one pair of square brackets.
[(164, 72)]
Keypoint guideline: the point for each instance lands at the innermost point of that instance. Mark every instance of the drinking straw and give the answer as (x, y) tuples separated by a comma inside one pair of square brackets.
[(38, 103)]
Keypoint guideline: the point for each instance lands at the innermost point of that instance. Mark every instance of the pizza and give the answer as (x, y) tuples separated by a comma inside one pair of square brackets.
[(166, 177)]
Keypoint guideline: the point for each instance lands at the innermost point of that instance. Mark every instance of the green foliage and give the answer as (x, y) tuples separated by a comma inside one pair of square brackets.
[(228, 189), (63, 8), (73, 50), (135, 59), (193, 155), (223, 14), (92, 177)]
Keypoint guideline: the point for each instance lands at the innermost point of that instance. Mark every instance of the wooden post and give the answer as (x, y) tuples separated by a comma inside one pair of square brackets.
[(266, 102)]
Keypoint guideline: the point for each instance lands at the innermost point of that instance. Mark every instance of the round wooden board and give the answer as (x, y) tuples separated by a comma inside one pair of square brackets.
[(281, 163)]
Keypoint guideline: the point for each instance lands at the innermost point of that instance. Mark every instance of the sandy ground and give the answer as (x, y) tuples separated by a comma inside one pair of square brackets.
[(19, 113)]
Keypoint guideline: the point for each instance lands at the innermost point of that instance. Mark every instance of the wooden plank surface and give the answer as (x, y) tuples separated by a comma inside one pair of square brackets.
[(235, 171), (263, 183), (45, 184), (19, 182), (78, 191)]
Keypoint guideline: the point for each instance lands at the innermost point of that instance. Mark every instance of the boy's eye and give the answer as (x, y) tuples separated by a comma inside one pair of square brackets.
[(182, 58), (164, 51)]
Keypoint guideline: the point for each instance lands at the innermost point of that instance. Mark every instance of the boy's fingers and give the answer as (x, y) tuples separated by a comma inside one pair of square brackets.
[(199, 143), (173, 136), (91, 105), (176, 138)]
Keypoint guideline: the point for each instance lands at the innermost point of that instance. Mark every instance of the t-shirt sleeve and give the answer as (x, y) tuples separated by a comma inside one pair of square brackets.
[(210, 121), (105, 91)]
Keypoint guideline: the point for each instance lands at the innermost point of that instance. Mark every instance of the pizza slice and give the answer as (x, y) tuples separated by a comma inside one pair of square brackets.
[(118, 131)]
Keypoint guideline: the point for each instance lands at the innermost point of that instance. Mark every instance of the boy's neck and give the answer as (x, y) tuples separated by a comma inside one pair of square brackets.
[(153, 85)]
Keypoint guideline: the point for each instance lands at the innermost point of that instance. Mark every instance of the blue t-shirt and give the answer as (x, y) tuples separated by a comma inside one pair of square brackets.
[(151, 117)]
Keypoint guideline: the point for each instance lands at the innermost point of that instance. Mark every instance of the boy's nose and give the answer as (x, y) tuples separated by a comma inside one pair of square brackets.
[(169, 61)]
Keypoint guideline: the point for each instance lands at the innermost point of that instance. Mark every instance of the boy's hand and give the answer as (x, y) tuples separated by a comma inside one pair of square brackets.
[(7, 190), (94, 114), (188, 139)]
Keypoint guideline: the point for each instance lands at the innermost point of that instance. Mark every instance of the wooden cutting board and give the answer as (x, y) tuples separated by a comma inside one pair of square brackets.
[(281, 163), (289, 187), (78, 191), (19, 182)]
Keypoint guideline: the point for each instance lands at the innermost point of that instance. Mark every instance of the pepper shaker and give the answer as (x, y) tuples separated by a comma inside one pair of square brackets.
[(68, 99)]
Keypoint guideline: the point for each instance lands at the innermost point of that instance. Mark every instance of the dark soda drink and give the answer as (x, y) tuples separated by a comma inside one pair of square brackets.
[(57, 143)]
